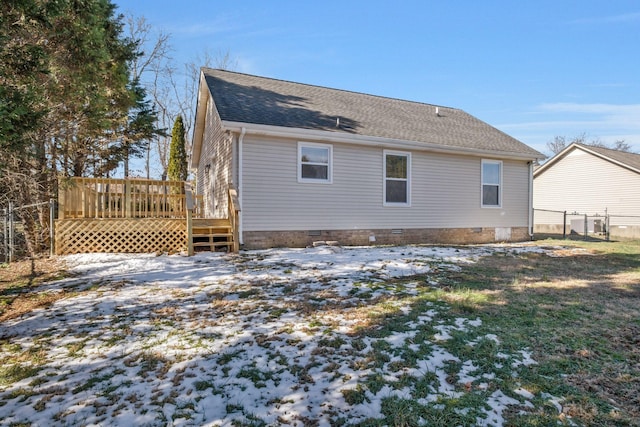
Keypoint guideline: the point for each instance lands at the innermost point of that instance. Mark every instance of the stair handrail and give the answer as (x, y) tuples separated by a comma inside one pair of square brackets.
[(234, 217)]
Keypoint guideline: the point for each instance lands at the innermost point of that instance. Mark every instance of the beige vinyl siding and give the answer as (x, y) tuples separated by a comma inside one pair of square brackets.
[(217, 152), (587, 184), (445, 191)]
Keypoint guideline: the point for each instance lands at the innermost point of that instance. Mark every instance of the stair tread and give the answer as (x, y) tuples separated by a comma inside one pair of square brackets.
[(212, 233), (211, 228), (205, 244)]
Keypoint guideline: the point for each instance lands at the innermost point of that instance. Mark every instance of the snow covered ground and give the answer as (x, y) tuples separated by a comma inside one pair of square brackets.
[(319, 336)]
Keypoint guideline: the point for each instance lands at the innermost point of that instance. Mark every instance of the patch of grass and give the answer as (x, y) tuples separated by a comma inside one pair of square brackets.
[(75, 348), (401, 412), (354, 396), (257, 377), (249, 293), (335, 343), (16, 372), (230, 408), (184, 410), (375, 382), (578, 314), (315, 323), (91, 382), (464, 300), (20, 286), (225, 358), (277, 312), (150, 361)]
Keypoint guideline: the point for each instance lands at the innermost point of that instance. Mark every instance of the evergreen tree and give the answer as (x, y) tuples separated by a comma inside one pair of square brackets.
[(68, 101), (23, 63), (177, 153)]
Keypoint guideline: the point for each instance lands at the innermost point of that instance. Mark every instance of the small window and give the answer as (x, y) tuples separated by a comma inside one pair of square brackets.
[(397, 173), (314, 162), (491, 183)]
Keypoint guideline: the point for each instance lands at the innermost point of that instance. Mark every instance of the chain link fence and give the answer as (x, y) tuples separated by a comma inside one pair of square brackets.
[(575, 225), (20, 221)]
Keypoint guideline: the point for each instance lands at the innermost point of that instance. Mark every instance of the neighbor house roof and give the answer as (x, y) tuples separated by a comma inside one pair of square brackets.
[(243, 98), (624, 159)]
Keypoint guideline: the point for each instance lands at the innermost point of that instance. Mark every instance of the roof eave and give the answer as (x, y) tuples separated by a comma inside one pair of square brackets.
[(198, 128), (610, 159), (585, 148), (339, 137)]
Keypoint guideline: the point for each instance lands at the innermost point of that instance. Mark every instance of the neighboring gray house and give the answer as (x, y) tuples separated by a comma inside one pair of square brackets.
[(317, 164), (592, 181)]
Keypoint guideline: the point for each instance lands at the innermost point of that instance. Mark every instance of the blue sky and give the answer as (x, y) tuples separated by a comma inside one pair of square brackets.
[(533, 69)]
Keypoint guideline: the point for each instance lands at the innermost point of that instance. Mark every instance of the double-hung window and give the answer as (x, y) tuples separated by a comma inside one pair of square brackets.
[(397, 178), (315, 162), (491, 183)]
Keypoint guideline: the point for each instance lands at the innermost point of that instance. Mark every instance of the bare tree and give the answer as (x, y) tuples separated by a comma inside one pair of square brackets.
[(221, 59), (179, 95), (150, 67), (559, 143), (621, 145), (172, 88)]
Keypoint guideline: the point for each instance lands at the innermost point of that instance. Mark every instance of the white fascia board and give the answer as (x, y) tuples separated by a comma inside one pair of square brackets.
[(574, 146), (554, 159), (372, 141), (198, 129)]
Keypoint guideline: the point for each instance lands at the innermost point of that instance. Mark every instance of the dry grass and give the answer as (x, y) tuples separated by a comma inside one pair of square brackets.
[(21, 283)]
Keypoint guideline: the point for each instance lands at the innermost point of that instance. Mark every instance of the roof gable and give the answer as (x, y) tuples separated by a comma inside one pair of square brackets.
[(623, 159), (263, 101)]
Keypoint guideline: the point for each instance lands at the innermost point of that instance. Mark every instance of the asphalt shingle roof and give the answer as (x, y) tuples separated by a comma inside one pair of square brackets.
[(630, 159), (251, 99)]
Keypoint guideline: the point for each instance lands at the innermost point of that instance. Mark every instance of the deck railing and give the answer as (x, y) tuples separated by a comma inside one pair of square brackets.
[(81, 198)]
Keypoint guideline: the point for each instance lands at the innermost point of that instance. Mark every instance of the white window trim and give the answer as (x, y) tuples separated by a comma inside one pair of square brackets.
[(329, 179), (494, 162), (384, 178)]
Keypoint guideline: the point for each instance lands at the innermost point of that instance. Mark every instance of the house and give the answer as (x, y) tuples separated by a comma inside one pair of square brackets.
[(599, 183), (311, 163)]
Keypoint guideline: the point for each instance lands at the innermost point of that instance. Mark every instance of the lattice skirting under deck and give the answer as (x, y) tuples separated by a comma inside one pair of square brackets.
[(120, 235)]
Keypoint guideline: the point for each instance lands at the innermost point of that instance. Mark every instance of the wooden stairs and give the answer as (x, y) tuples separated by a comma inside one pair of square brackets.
[(212, 234)]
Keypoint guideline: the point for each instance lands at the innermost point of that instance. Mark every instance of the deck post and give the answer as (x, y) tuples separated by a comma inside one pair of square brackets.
[(127, 198), (52, 231), (61, 199), (188, 201), (190, 232), (83, 197), (234, 215)]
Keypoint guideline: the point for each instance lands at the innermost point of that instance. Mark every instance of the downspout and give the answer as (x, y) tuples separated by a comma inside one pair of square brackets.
[(240, 189), (531, 200)]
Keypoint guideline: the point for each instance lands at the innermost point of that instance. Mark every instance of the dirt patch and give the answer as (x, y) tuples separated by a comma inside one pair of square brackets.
[(21, 285)]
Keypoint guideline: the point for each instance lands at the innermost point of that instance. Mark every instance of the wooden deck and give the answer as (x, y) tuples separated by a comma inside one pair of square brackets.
[(137, 215)]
